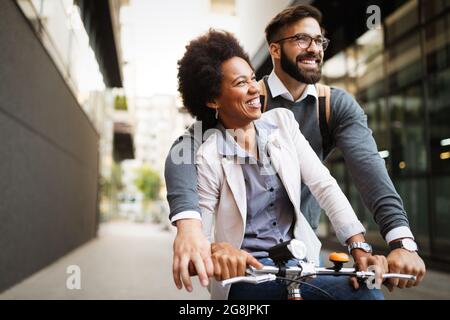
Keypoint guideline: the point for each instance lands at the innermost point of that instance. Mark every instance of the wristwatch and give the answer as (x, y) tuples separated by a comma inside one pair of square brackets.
[(359, 245), (407, 244)]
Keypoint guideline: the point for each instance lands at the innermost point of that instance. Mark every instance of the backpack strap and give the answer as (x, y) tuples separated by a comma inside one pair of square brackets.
[(324, 93), (324, 112), (263, 94)]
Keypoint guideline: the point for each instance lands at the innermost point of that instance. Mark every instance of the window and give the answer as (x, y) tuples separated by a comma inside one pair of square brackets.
[(401, 21), (407, 132), (439, 117)]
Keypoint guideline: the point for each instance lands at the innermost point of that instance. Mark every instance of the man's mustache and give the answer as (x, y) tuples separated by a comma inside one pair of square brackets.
[(308, 56)]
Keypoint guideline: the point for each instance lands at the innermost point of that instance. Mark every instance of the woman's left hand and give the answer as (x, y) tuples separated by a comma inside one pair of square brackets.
[(378, 264), (230, 262)]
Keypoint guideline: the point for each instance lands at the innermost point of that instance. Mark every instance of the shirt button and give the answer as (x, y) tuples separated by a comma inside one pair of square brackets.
[(271, 205), (271, 189), (281, 240), (274, 223)]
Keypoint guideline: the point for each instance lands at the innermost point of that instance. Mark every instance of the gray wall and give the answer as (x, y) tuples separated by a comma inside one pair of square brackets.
[(48, 156)]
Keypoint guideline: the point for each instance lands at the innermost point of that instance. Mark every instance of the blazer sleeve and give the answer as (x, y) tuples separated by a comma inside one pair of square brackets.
[(208, 186), (322, 185)]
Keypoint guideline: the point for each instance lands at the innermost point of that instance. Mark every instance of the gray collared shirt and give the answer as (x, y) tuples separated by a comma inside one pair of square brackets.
[(270, 213)]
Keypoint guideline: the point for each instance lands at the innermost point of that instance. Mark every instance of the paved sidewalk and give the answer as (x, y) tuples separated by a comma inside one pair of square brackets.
[(125, 261), (134, 261)]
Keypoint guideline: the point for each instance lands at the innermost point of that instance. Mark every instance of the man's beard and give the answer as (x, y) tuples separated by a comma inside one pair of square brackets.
[(296, 72)]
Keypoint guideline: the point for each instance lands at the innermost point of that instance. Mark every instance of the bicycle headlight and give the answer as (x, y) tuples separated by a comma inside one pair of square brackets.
[(287, 250)]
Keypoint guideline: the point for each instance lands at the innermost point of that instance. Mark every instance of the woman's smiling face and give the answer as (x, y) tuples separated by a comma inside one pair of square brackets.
[(238, 102)]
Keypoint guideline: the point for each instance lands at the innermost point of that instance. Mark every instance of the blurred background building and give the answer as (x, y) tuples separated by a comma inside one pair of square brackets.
[(89, 109), (60, 63)]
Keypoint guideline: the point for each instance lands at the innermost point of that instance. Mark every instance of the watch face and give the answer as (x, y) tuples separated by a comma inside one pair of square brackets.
[(409, 244), (366, 247)]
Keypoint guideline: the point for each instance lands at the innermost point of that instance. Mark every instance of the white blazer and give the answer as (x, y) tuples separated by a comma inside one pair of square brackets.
[(222, 191)]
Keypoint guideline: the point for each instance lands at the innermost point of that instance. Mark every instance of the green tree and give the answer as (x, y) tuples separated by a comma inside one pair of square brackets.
[(149, 183)]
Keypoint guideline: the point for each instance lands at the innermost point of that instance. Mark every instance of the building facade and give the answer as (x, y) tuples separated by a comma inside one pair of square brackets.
[(55, 94)]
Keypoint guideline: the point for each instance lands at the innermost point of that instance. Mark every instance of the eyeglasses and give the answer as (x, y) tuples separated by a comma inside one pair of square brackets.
[(304, 41)]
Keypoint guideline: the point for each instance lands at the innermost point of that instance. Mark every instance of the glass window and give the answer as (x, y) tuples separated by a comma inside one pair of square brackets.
[(409, 157), (437, 45), (404, 64), (376, 111), (432, 8), (441, 187), (439, 118), (413, 192), (407, 132), (401, 21)]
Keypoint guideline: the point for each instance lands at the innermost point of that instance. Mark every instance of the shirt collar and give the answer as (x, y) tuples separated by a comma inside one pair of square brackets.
[(277, 88), (227, 146)]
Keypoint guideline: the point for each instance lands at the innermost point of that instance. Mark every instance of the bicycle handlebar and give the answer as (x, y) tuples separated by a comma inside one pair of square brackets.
[(269, 273)]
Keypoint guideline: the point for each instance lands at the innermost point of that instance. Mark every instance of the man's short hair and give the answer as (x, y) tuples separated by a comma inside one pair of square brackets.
[(288, 17)]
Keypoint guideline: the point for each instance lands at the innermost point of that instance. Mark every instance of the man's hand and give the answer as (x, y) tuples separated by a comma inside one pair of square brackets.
[(404, 261), (191, 254), (363, 260), (230, 262)]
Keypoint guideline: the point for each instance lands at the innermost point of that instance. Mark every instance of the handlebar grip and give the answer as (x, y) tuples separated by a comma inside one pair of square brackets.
[(366, 274), (399, 276)]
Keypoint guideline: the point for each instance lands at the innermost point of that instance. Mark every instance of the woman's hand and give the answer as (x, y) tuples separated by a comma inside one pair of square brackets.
[(378, 264), (230, 262)]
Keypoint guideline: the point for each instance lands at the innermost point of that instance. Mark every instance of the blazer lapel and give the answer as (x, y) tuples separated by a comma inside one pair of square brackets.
[(288, 174), (236, 182)]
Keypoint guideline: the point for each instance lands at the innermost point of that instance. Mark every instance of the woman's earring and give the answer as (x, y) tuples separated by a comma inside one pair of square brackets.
[(217, 113)]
